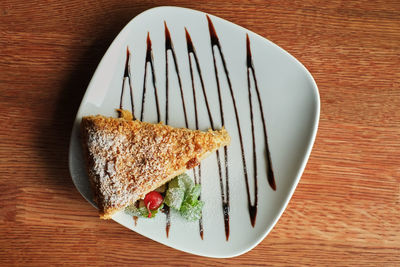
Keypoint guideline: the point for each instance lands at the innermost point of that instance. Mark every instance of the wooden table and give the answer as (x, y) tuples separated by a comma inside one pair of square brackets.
[(345, 210)]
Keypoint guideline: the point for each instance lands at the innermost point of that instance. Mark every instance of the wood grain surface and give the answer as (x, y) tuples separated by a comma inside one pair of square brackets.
[(345, 210)]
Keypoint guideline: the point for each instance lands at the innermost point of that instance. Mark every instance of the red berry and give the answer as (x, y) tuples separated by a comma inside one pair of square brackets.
[(153, 201)]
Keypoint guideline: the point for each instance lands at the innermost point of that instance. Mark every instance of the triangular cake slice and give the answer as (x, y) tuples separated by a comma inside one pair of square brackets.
[(126, 159)]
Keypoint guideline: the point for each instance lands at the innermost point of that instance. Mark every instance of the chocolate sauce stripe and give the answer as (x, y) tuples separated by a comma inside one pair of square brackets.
[(224, 196), (149, 59), (170, 46), (224, 193), (122, 94), (123, 81), (252, 207), (127, 75), (250, 65), (135, 218), (198, 181), (191, 50), (221, 110), (168, 220), (218, 46)]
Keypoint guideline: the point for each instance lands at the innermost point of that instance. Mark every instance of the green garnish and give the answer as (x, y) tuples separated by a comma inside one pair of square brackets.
[(177, 189), (191, 212), (174, 197), (182, 196), (182, 181), (141, 211), (192, 196)]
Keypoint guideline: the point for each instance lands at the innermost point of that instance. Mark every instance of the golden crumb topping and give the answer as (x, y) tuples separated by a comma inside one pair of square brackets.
[(127, 159)]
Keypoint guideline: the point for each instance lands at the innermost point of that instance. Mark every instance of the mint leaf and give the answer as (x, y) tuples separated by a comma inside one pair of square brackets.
[(182, 181), (192, 196), (174, 197), (192, 212), (141, 211), (176, 183), (134, 211), (186, 181)]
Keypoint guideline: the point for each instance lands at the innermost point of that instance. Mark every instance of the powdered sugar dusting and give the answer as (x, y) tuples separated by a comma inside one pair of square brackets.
[(104, 149), (127, 159)]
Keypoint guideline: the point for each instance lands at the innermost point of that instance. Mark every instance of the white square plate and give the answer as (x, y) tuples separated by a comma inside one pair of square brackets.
[(290, 105)]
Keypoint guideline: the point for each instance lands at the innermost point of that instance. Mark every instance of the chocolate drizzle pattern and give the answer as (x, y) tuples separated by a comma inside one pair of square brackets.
[(250, 67), (191, 50), (216, 44), (169, 46), (127, 76), (149, 59), (195, 68)]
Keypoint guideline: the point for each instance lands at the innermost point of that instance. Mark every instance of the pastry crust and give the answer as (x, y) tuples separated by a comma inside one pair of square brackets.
[(127, 159)]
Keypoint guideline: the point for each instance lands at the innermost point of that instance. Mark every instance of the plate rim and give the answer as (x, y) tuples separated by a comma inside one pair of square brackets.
[(299, 173)]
